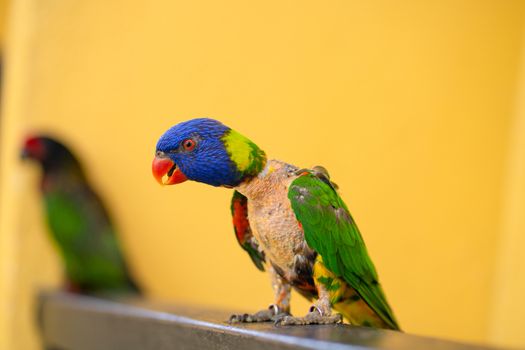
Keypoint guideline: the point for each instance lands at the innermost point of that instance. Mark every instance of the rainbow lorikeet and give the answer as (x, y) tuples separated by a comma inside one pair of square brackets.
[(79, 225), (289, 220)]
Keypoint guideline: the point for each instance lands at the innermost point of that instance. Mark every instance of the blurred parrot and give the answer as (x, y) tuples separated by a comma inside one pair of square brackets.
[(290, 220), (79, 225)]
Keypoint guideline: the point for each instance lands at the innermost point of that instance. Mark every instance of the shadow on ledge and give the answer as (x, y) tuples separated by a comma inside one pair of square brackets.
[(74, 322)]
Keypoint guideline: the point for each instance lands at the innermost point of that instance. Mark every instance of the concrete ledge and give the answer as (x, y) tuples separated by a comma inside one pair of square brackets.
[(76, 322)]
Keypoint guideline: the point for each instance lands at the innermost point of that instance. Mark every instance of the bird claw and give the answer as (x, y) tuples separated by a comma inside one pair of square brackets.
[(273, 313), (312, 317)]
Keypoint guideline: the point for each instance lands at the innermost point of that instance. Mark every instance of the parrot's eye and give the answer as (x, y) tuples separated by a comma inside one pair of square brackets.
[(188, 144)]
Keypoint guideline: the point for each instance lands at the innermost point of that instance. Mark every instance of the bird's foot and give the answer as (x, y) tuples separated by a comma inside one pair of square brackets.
[(315, 316), (272, 314)]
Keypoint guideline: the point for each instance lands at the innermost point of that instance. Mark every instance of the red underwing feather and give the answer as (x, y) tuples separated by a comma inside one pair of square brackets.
[(243, 231)]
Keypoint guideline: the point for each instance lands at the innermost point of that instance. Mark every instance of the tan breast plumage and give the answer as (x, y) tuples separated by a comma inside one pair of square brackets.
[(272, 219)]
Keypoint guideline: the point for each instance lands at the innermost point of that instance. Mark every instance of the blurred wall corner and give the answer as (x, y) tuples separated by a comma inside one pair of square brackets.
[(508, 304), (26, 262)]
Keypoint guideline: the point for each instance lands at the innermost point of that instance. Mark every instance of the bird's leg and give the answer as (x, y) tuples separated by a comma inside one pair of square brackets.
[(278, 310), (319, 313)]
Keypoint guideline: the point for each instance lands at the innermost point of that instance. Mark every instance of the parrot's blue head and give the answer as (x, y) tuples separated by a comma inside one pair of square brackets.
[(205, 150)]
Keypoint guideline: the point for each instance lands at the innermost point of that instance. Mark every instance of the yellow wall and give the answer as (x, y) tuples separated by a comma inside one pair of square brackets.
[(508, 305), (410, 104)]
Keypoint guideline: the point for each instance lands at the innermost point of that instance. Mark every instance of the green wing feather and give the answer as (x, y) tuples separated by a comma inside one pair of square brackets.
[(330, 230), (82, 231)]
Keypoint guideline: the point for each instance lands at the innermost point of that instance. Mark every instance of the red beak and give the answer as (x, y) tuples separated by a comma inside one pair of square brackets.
[(166, 171)]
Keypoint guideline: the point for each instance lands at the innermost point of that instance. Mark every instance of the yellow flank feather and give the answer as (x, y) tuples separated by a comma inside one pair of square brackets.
[(345, 299)]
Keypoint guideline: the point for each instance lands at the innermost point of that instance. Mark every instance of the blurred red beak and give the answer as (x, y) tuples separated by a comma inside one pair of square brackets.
[(166, 171)]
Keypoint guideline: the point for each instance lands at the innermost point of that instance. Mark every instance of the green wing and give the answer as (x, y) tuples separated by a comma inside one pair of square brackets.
[(82, 231), (330, 230)]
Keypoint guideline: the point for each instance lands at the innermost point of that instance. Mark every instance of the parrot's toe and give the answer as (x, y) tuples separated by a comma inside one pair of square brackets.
[(272, 314), (313, 317)]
